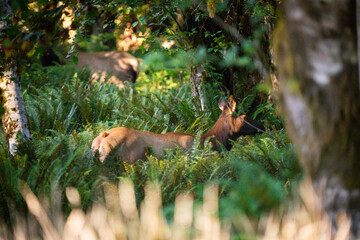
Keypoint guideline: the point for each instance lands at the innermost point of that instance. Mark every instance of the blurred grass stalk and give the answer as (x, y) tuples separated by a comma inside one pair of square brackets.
[(119, 218)]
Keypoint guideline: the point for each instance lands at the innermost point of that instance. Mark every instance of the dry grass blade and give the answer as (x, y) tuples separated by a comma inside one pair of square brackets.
[(182, 217), (128, 208), (307, 220), (207, 223), (39, 212), (153, 224), (119, 218)]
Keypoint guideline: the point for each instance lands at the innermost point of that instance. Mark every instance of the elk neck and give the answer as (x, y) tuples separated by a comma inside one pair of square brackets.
[(222, 131)]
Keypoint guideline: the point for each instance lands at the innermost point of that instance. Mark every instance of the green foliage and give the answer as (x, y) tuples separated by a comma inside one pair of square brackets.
[(253, 192), (67, 110), (10, 172), (104, 42), (2, 108)]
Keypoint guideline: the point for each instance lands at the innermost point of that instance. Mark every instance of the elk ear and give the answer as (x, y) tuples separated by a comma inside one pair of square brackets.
[(222, 104), (232, 103)]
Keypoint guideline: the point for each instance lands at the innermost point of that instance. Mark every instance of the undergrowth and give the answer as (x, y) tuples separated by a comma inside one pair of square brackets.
[(67, 110)]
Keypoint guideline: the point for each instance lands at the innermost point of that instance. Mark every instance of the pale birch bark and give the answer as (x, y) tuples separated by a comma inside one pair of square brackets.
[(14, 120), (316, 55)]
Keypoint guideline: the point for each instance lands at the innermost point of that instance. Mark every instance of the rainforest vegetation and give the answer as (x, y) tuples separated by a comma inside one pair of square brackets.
[(193, 53)]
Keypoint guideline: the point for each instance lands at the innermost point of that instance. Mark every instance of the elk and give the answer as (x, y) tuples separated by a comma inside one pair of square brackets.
[(117, 66), (120, 66), (133, 143)]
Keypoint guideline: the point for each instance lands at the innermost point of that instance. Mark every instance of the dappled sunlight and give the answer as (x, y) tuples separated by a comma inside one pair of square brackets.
[(160, 81)]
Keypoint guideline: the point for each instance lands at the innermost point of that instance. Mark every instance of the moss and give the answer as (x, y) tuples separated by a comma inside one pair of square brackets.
[(9, 124), (285, 58)]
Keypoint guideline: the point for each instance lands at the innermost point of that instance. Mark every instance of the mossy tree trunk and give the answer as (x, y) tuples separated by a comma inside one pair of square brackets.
[(316, 54), (196, 80), (14, 119)]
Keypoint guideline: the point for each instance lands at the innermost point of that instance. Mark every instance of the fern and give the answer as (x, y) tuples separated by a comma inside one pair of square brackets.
[(67, 110)]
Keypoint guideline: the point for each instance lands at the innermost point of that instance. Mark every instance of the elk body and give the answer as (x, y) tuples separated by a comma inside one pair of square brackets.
[(117, 66), (133, 143)]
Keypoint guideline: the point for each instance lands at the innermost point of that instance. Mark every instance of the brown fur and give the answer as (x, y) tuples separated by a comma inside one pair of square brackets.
[(133, 143), (121, 66)]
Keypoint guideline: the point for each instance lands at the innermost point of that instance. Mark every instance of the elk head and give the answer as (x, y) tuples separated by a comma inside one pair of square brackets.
[(230, 126)]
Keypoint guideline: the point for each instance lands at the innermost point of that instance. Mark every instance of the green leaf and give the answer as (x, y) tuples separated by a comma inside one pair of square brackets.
[(7, 42), (75, 60), (135, 23)]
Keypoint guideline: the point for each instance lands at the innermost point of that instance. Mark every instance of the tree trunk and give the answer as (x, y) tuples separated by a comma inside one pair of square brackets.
[(196, 80), (316, 54), (14, 120)]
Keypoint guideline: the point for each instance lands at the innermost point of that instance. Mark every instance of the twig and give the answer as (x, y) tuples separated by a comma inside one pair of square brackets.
[(172, 16)]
